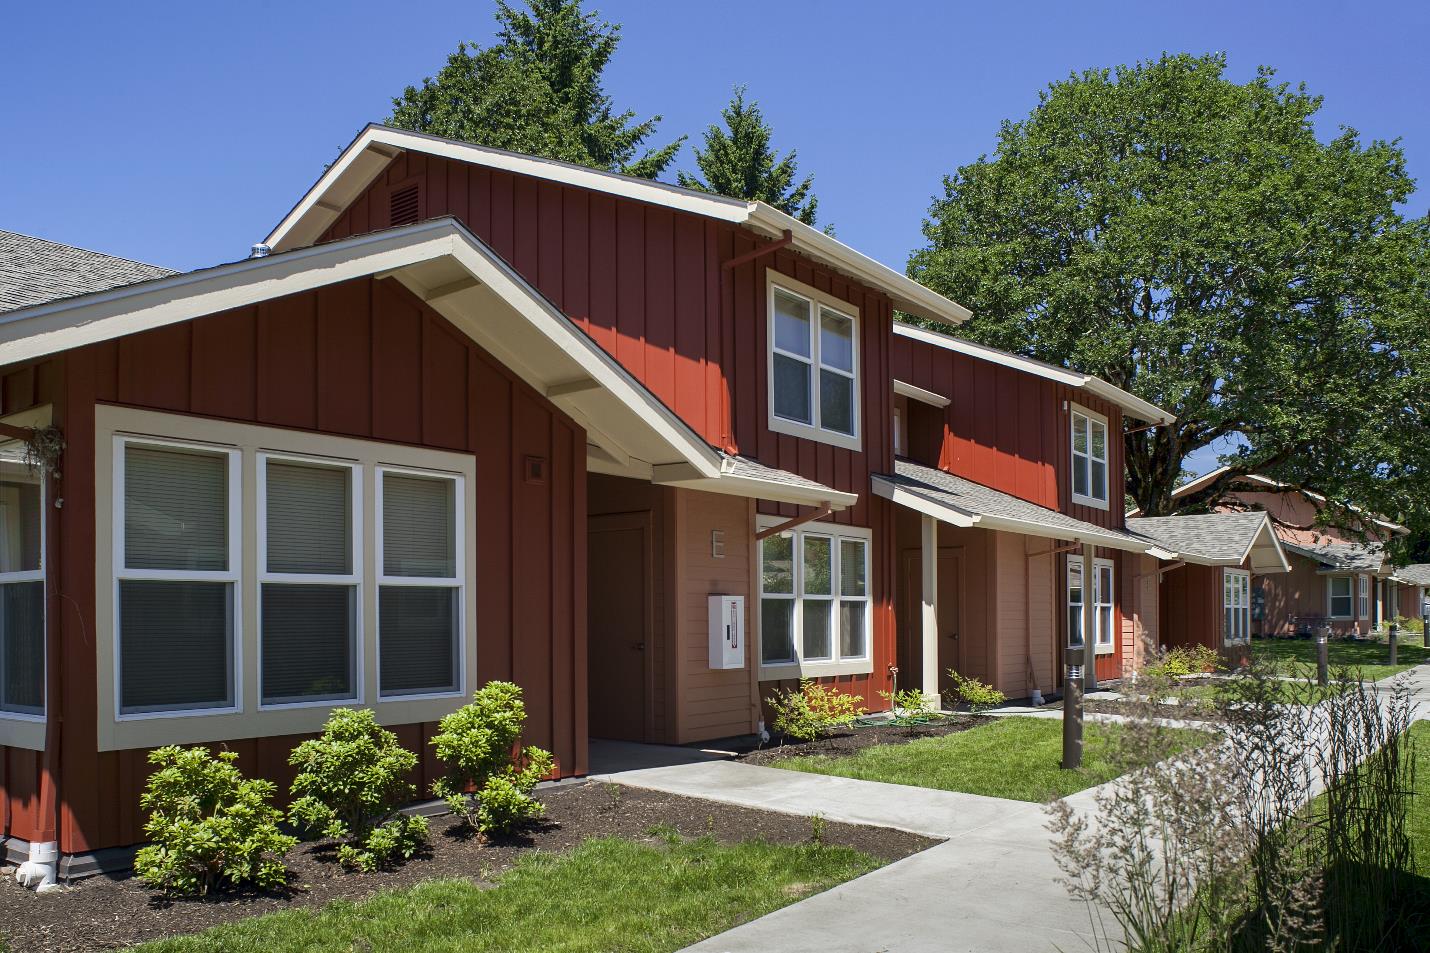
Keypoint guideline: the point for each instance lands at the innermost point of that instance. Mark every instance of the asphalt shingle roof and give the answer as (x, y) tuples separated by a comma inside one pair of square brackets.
[(36, 271), (1223, 537), (738, 466), (1417, 574), (1342, 557)]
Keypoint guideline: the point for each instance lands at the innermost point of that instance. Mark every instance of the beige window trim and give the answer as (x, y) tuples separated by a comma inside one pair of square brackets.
[(21, 730), (817, 299), (1092, 417), (250, 720)]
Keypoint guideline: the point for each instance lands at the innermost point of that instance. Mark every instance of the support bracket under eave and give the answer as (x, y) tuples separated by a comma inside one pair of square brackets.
[(823, 510)]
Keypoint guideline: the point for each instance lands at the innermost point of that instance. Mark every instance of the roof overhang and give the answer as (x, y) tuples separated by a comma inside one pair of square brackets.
[(771, 485), (1132, 405), (376, 146), (927, 504), (905, 389)]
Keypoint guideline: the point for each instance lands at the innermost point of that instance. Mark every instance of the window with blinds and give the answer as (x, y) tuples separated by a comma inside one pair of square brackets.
[(22, 593), (177, 579), (308, 583), (419, 585)]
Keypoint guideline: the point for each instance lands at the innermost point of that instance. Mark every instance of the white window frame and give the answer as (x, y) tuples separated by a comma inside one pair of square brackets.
[(233, 576), (1331, 597), (1089, 417), (457, 581), (353, 580), (1104, 642), (33, 575), (1363, 598), (1236, 599), (836, 664), (818, 301)]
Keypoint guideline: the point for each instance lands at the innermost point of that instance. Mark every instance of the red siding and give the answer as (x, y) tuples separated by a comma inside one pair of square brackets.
[(362, 359)]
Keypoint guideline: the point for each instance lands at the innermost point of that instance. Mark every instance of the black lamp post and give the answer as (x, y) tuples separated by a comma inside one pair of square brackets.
[(1072, 706)]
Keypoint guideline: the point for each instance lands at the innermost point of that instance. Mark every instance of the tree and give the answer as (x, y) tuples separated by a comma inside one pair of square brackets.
[(537, 90), (738, 161), (1189, 239)]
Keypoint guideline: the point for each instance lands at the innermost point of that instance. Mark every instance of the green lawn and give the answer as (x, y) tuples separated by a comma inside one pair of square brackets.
[(1420, 805), (607, 896), (1369, 658), (1007, 757), (1300, 692)]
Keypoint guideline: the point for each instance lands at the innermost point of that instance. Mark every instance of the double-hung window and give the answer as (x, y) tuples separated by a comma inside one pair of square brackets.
[(814, 599), (177, 559), (1338, 592), (813, 381), (22, 592), (1102, 594), (1236, 605), (309, 576), (1089, 458), (419, 596)]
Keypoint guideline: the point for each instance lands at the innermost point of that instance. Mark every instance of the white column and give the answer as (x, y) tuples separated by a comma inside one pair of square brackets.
[(929, 564), (1089, 616)]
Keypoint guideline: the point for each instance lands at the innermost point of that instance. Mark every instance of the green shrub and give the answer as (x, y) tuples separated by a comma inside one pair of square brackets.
[(351, 782), (484, 784), (813, 710), (911, 705), (1174, 663), (973, 693), (209, 825)]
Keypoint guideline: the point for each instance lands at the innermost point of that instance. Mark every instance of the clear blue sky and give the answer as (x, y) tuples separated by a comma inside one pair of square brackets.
[(179, 133)]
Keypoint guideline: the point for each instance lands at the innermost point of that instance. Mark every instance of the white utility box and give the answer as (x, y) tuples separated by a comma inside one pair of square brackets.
[(727, 631)]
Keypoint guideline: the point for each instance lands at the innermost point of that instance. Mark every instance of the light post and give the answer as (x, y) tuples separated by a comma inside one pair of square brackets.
[(1072, 707), (1323, 655), (1394, 648)]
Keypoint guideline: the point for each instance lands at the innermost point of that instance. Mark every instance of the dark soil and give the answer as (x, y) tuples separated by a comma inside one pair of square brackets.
[(866, 736), (113, 912)]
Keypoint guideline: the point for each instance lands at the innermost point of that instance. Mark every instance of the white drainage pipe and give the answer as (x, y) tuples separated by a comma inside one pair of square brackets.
[(1037, 699), (38, 873)]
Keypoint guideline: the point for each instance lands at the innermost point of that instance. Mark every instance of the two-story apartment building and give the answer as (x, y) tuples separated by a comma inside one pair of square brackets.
[(465, 415)]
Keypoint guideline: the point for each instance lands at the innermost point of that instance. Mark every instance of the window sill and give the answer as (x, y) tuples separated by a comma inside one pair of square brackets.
[(793, 428), (22, 731), (787, 670), (1096, 504)]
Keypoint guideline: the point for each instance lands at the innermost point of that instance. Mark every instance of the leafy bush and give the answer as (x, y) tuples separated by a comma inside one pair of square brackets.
[(484, 784), (209, 825), (351, 781), (1174, 663), (911, 705), (973, 693), (813, 710)]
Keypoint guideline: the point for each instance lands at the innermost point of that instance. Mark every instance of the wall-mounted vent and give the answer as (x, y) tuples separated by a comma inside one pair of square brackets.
[(403, 206)]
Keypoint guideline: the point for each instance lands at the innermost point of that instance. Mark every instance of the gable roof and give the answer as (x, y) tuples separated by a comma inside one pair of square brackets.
[(1217, 539), (466, 282), (1132, 405), (960, 502), (35, 271), (377, 145), (1417, 574), (1206, 479), (1341, 557)]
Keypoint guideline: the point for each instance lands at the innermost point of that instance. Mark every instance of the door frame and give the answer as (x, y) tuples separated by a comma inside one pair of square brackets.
[(619, 522)]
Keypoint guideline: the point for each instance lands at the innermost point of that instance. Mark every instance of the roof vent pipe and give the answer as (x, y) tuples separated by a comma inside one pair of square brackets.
[(260, 250)]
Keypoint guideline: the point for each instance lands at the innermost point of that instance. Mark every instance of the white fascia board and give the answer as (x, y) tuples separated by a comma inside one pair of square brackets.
[(771, 490), (1193, 486), (905, 389), (1132, 405), (1054, 531), (920, 504)]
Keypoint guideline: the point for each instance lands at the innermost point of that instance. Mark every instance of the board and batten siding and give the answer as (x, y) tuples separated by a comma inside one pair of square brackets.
[(362, 359)]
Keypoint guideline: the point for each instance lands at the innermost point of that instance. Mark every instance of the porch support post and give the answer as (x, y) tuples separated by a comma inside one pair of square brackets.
[(1089, 616), (929, 565)]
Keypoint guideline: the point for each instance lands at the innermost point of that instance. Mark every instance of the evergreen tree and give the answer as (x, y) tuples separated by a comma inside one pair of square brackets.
[(738, 161), (537, 90)]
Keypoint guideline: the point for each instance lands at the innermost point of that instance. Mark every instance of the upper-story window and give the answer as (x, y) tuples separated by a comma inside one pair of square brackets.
[(814, 356), (1089, 458), (22, 592)]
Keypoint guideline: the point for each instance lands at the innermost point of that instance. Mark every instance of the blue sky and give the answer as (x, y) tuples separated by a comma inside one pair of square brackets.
[(179, 133)]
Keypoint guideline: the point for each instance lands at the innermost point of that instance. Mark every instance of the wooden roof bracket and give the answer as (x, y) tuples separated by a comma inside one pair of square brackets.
[(759, 252), (824, 510), (12, 432)]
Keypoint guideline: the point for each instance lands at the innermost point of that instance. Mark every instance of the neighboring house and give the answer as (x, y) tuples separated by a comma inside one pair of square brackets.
[(1207, 595), (1411, 591), (1338, 576), (466, 414)]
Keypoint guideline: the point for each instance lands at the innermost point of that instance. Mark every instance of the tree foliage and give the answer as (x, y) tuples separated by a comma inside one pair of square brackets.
[(738, 161), (537, 90), (1188, 238)]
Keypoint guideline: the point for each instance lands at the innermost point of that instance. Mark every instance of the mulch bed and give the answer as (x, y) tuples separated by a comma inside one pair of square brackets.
[(847, 742), (115, 912)]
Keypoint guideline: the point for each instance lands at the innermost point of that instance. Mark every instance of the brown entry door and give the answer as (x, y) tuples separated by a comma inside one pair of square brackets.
[(619, 625), (952, 650)]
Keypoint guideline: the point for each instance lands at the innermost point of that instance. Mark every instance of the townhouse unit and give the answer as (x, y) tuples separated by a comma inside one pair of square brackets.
[(466, 415)]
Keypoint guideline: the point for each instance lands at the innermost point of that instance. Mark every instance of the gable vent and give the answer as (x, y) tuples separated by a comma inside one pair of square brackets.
[(402, 206)]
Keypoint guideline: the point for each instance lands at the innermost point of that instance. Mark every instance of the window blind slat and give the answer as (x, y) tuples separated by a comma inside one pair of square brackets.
[(175, 645), (418, 526), (175, 509), (418, 627), (22, 647), (309, 518), (308, 642)]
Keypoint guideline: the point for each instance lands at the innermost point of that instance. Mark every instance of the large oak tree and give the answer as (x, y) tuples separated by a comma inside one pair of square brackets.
[(1189, 238)]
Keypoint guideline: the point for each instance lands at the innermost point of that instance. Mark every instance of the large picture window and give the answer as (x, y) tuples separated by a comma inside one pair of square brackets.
[(1338, 597), (813, 359), (1103, 614), (814, 598), (1089, 458), (1236, 605), (22, 592)]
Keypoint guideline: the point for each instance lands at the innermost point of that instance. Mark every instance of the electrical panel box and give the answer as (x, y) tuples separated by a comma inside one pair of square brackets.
[(727, 632)]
